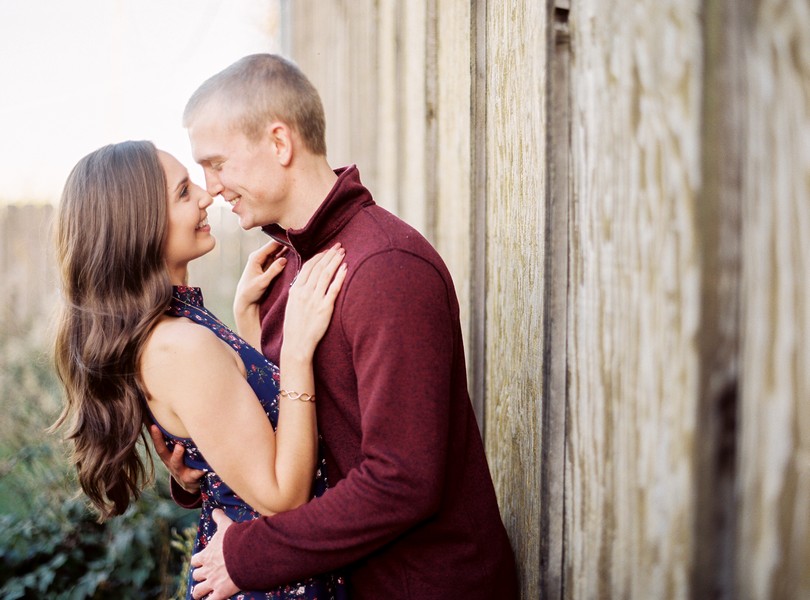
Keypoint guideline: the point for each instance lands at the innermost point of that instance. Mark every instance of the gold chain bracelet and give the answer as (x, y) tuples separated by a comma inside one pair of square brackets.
[(303, 397)]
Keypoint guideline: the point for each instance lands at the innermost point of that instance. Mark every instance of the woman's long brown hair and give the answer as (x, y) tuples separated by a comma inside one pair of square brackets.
[(110, 232)]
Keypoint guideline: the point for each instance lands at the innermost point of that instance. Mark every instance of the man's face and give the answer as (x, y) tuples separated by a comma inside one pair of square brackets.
[(246, 173)]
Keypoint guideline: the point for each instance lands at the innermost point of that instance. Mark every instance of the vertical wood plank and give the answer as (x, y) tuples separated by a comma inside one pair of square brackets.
[(319, 46), (450, 171), (718, 229), (334, 43), (555, 326), (431, 134), (478, 208), (516, 180), (412, 113), (388, 122), (634, 299), (774, 453)]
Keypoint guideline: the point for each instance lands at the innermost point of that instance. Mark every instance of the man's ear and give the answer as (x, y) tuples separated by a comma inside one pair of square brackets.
[(282, 141)]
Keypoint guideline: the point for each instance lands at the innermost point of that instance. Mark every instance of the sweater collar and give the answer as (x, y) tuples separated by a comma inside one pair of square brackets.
[(346, 198)]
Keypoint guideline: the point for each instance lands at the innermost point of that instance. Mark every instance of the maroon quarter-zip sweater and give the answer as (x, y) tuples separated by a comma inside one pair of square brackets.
[(411, 512)]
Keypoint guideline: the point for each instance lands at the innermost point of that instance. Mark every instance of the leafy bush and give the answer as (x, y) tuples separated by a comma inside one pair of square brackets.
[(50, 543), (62, 552)]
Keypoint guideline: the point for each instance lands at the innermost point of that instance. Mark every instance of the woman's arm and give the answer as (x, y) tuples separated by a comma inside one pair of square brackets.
[(309, 310), (201, 380)]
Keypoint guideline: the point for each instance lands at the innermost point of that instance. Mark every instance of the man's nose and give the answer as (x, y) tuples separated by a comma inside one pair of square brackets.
[(213, 185)]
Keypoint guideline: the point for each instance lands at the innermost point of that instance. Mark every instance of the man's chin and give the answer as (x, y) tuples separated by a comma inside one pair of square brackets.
[(246, 223)]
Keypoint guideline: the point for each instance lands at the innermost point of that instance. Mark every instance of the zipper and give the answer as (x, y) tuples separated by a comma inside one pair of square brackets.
[(289, 245)]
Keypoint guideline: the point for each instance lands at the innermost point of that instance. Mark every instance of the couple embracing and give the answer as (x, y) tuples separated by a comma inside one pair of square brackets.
[(330, 442)]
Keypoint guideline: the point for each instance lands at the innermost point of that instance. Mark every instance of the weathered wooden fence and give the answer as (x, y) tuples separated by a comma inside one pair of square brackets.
[(27, 269), (622, 191)]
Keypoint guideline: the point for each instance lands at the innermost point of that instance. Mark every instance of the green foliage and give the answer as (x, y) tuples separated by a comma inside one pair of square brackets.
[(183, 543), (51, 545), (62, 552)]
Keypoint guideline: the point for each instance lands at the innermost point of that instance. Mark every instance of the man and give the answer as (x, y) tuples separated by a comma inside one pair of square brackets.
[(411, 510)]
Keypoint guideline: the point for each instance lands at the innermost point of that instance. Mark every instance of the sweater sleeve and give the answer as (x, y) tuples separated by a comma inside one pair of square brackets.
[(183, 498), (398, 318)]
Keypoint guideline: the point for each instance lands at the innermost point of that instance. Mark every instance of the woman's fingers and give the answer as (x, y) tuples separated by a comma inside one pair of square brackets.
[(336, 283), (327, 269), (312, 299), (262, 266), (313, 266), (276, 267), (261, 255), (188, 478), (163, 452), (265, 257)]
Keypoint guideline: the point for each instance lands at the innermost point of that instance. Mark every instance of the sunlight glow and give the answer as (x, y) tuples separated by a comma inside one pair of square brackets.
[(79, 75)]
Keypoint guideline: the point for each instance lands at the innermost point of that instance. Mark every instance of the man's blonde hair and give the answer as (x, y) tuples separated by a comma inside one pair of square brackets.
[(259, 89)]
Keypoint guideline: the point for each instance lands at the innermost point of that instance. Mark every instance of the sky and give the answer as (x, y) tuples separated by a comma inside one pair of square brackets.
[(76, 75)]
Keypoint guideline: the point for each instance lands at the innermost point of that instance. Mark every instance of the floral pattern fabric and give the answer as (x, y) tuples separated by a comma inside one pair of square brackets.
[(264, 378)]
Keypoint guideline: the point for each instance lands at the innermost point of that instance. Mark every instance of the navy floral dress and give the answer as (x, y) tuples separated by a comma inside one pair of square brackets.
[(263, 377)]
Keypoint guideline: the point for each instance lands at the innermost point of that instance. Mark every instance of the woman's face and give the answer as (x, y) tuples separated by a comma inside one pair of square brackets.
[(189, 235)]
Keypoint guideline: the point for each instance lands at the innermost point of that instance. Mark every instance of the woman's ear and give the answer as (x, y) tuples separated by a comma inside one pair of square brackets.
[(282, 141)]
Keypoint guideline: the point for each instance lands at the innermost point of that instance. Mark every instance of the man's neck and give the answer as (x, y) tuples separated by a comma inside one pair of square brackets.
[(313, 180)]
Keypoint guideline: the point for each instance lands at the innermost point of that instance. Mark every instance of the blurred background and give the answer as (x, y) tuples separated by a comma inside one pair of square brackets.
[(77, 76), (621, 190)]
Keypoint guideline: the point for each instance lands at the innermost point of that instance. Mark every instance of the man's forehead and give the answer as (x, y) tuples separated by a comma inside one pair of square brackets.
[(214, 117), (209, 138)]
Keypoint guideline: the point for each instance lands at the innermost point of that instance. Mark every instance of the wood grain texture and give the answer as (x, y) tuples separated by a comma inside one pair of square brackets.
[(389, 122), (686, 288), (412, 114), (452, 166), (633, 299), (516, 126), (335, 44), (774, 458)]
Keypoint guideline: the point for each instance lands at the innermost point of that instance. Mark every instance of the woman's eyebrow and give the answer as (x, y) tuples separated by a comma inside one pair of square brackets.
[(181, 183)]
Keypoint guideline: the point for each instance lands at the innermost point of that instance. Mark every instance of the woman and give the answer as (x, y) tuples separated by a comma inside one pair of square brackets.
[(135, 345)]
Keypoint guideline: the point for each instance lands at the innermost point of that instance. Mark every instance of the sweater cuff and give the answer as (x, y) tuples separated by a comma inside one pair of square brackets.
[(183, 498), (230, 555)]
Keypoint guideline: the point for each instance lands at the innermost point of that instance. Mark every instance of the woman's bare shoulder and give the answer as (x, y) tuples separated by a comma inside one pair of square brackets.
[(180, 339)]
